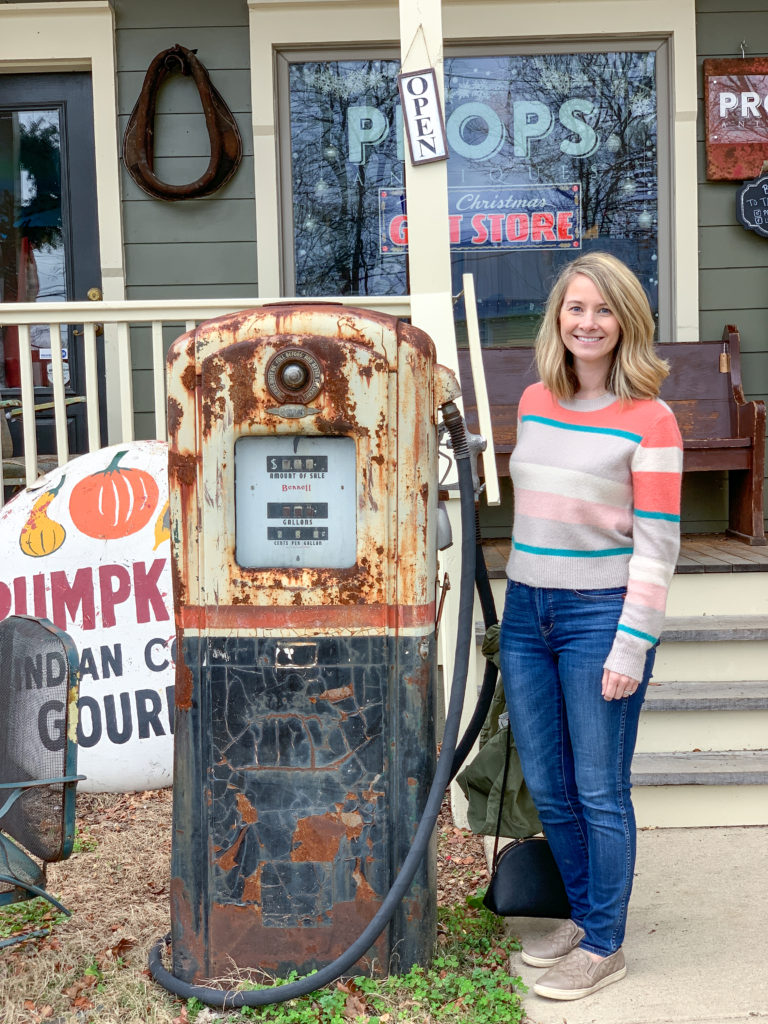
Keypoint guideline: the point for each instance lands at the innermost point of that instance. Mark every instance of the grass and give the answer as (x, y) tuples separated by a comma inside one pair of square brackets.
[(92, 968), (84, 842), (467, 983), (29, 916)]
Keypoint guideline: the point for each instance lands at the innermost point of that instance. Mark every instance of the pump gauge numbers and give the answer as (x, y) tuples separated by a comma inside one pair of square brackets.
[(295, 502)]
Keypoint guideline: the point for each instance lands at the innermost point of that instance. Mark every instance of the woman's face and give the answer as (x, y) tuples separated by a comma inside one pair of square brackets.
[(588, 327)]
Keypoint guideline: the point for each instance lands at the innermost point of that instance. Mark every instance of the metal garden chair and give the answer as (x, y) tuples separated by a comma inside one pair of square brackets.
[(39, 685)]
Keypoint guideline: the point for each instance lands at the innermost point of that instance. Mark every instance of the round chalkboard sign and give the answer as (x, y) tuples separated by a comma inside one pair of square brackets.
[(752, 205)]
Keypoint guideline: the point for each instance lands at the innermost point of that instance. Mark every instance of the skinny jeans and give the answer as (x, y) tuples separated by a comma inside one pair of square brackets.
[(575, 747)]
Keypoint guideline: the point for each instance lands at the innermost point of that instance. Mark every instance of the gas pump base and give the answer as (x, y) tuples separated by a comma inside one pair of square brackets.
[(304, 816)]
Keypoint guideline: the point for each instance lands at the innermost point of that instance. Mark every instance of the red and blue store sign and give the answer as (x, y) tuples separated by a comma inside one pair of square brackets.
[(487, 217)]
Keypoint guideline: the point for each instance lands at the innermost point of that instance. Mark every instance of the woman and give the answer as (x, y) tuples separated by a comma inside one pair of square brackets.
[(596, 472)]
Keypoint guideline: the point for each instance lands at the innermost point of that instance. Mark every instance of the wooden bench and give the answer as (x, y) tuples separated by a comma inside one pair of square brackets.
[(721, 430)]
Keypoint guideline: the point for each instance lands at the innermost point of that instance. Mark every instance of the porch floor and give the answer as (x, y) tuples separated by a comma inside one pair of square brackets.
[(699, 552)]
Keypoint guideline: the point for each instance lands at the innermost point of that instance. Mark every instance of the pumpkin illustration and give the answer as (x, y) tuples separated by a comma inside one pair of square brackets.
[(41, 535), (114, 502)]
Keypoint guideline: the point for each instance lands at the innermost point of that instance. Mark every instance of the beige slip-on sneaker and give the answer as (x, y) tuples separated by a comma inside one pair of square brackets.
[(547, 950), (578, 975)]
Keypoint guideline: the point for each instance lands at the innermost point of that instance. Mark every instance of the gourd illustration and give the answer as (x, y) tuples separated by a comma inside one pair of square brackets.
[(114, 502), (42, 535), (163, 525)]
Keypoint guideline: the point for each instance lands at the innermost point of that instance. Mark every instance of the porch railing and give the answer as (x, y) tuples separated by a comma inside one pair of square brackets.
[(110, 325), (108, 335)]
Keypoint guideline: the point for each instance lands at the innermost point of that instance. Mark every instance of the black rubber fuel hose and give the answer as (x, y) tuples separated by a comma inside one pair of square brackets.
[(490, 675)]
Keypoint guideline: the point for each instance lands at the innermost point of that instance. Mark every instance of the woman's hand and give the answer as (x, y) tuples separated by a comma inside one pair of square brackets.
[(616, 687)]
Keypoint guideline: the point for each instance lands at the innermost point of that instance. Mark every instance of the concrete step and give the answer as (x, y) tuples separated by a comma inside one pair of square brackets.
[(709, 628), (702, 695), (710, 661), (718, 594), (701, 768), (695, 806), (712, 648), (704, 715)]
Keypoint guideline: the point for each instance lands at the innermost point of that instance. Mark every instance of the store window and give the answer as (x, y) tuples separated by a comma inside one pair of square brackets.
[(551, 154)]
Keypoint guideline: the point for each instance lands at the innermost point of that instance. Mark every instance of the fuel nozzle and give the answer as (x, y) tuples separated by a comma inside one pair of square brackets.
[(476, 444), (464, 444)]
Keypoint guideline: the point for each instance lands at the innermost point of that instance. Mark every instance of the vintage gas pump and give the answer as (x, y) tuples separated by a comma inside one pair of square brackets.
[(303, 479)]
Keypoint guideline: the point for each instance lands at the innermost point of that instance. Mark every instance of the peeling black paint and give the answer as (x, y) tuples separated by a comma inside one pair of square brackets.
[(308, 805)]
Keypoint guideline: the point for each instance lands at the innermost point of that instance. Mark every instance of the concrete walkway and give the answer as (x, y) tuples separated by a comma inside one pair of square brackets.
[(697, 936)]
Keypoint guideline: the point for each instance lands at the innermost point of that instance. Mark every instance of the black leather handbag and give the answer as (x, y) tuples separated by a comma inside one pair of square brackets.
[(525, 881)]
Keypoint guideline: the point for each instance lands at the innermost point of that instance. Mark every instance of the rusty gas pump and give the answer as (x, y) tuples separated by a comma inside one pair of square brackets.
[(303, 483)]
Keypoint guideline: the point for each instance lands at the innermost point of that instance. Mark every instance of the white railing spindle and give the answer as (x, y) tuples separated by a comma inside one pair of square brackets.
[(27, 403), (125, 372), (59, 406), (158, 368), (92, 387)]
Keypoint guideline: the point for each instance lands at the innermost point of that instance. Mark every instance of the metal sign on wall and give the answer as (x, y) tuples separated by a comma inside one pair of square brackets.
[(736, 117)]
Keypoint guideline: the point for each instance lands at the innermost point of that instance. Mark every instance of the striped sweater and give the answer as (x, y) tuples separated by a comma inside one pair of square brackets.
[(597, 504)]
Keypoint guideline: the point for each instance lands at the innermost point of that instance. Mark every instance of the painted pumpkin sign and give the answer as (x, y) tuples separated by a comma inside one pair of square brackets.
[(87, 546), (113, 502)]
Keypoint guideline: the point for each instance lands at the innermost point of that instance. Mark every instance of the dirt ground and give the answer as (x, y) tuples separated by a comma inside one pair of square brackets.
[(93, 967)]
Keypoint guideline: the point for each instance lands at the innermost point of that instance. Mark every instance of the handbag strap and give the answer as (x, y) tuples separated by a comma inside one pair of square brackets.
[(507, 758)]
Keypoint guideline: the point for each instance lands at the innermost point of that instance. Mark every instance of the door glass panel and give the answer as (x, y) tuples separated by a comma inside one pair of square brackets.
[(550, 155), (32, 249)]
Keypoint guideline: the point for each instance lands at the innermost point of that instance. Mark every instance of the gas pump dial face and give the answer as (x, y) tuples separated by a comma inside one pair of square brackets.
[(294, 375), (295, 502)]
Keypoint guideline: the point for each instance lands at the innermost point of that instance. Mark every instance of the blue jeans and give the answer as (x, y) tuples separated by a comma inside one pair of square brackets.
[(575, 747)]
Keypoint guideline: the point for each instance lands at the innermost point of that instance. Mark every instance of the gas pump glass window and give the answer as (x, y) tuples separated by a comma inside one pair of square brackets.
[(295, 502), (550, 155), (32, 249)]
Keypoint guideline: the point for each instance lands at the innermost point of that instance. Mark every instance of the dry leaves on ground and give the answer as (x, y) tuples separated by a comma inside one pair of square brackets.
[(94, 966)]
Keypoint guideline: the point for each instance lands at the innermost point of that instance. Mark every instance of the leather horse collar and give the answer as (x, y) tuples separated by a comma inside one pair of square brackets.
[(223, 134)]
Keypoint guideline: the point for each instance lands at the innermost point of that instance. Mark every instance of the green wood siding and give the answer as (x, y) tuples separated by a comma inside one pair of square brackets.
[(733, 262), (197, 247)]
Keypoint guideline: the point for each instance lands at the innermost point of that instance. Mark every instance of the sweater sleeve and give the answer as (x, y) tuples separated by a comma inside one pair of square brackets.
[(656, 467)]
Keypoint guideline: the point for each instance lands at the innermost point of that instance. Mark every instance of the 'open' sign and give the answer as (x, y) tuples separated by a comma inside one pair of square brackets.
[(423, 116)]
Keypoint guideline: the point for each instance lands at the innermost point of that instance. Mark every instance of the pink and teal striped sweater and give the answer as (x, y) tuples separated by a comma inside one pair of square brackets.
[(597, 504)]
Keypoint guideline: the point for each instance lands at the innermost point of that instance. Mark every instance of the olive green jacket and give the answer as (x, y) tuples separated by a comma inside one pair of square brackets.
[(481, 780)]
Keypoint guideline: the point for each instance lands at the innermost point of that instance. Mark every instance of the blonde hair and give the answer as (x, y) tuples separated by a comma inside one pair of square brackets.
[(636, 371)]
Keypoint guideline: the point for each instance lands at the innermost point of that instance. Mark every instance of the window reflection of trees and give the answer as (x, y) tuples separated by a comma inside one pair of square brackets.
[(335, 202), (336, 217), (618, 180), (32, 258)]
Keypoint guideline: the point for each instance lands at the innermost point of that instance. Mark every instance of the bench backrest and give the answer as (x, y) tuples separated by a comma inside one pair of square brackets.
[(701, 396)]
